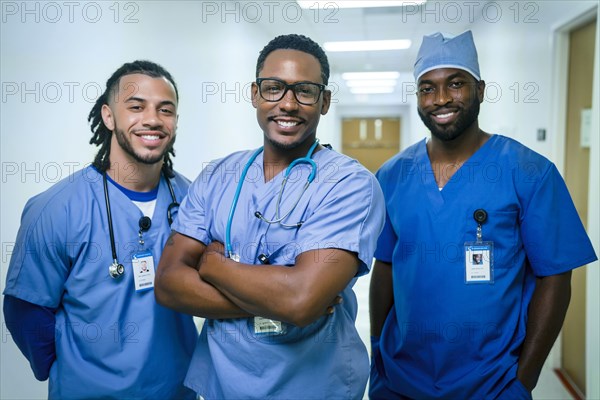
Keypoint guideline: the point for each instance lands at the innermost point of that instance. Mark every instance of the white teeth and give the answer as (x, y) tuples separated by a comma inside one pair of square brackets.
[(287, 124), (151, 137), (444, 115)]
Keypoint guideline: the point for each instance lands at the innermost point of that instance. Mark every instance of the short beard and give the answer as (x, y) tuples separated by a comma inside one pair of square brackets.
[(284, 146), (456, 129), (149, 160)]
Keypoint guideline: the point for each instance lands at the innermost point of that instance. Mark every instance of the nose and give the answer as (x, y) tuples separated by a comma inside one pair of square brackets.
[(151, 118), (442, 96), (288, 102)]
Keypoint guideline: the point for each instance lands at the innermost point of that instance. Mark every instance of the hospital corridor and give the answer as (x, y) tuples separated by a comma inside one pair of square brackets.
[(186, 185)]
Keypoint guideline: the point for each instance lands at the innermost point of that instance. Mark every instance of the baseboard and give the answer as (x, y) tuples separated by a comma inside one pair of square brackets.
[(568, 383)]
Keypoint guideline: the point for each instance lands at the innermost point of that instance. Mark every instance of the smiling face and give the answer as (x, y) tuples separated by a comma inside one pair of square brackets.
[(448, 102), (287, 124), (142, 114)]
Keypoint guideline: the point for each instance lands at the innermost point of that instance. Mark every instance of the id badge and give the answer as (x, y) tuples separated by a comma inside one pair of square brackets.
[(265, 326), (143, 270), (479, 262)]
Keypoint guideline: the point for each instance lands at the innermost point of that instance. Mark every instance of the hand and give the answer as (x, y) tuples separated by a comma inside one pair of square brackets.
[(215, 248)]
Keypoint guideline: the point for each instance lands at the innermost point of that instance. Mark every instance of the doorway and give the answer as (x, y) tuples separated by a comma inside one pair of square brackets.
[(576, 172), (371, 141)]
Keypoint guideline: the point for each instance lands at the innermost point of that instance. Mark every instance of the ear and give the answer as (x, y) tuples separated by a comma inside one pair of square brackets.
[(326, 102), (254, 94), (108, 117), (481, 90)]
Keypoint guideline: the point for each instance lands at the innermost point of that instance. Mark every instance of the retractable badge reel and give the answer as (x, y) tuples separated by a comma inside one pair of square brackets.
[(479, 255)]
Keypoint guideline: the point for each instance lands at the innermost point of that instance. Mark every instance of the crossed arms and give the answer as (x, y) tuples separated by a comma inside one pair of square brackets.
[(197, 279)]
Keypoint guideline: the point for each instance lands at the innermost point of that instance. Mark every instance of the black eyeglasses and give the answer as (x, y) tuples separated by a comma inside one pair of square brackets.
[(306, 93)]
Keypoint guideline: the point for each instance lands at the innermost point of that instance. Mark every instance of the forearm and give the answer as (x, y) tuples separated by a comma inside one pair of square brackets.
[(262, 290), (32, 328), (289, 294), (182, 289), (179, 286), (381, 296), (546, 314)]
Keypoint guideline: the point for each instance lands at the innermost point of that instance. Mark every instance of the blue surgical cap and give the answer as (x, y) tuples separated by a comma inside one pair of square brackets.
[(444, 51)]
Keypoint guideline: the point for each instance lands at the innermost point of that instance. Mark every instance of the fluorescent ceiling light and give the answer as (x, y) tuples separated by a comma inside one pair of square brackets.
[(357, 4), (367, 45), (372, 90), (371, 82), (371, 75)]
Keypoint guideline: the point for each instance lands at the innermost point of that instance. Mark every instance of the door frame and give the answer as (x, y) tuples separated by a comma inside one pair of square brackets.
[(560, 38)]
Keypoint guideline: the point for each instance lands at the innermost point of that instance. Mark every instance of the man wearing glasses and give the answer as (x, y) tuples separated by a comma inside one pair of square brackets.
[(264, 254)]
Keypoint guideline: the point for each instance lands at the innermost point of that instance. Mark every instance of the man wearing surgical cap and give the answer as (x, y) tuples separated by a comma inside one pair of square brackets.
[(444, 326)]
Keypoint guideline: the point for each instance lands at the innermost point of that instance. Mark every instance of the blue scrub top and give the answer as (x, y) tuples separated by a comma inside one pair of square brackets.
[(111, 341), (343, 209), (445, 338)]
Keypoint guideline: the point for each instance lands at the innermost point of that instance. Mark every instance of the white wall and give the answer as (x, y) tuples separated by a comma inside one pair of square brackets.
[(44, 134), (517, 75)]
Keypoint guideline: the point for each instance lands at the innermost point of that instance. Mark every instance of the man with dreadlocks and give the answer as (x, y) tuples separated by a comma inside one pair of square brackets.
[(77, 302)]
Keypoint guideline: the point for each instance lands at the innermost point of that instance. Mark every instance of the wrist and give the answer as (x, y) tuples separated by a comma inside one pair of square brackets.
[(528, 381)]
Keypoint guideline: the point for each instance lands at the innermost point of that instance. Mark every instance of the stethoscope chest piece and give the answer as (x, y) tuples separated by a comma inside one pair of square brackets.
[(116, 270)]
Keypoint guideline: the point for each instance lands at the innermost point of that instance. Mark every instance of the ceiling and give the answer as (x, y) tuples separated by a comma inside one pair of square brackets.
[(410, 22), (378, 23), (383, 23)]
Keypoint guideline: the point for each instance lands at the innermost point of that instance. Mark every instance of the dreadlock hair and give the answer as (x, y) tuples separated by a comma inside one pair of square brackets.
[(295, 42), (102, 135)]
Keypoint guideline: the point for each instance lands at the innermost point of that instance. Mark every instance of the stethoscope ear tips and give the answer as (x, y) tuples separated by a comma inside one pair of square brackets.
[(116, 270)]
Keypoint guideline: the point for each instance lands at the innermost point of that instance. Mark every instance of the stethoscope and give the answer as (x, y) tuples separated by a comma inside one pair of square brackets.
[(116, 269), (278, 217)]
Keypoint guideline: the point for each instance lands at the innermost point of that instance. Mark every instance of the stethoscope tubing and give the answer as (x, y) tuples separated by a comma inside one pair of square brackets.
[(111, 231), (278, 219), (236, 197)]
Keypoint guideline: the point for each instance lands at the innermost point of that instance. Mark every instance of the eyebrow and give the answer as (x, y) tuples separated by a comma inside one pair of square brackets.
[(142, 100), (460, 74)]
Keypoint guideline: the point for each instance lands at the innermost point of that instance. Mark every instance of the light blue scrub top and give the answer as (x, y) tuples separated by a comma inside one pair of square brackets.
[(445, 338), (343, 209), (111, 341)]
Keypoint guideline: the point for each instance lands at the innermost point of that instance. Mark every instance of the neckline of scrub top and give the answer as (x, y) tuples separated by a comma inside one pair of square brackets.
[(133, 195), (435, 195), (163, 198), (261, 189)]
